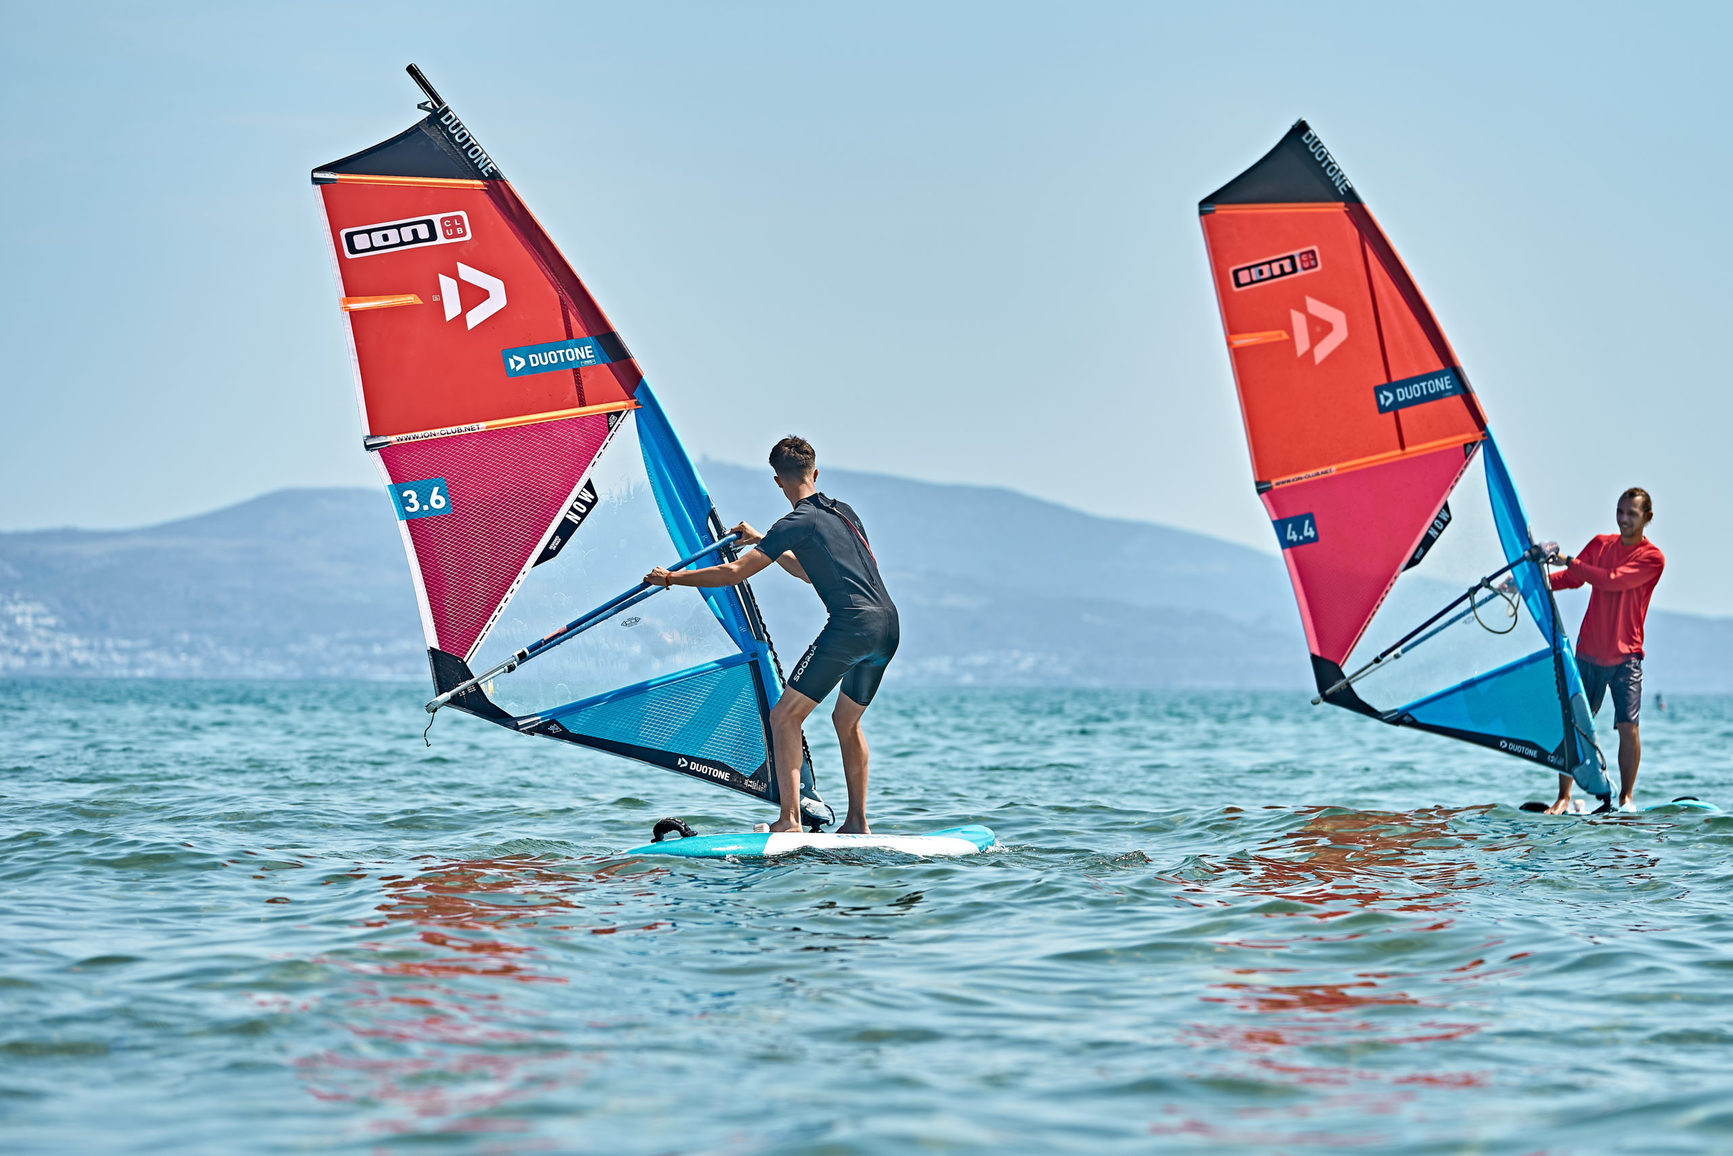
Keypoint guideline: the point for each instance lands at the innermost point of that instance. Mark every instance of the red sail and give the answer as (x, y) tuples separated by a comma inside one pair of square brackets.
[(1341, 368), (487, 373)]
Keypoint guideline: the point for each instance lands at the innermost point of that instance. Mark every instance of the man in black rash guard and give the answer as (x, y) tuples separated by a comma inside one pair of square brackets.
[(821, 542)]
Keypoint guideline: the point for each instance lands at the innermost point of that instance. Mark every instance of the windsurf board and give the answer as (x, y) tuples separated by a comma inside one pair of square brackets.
[(966, 840)]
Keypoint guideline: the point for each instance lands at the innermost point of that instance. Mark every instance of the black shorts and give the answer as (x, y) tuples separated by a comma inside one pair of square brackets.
[(1626, 681), (853, 651)]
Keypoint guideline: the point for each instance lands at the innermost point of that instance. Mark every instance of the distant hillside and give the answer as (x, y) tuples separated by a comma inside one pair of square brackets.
[(299, 583), (996, 588)]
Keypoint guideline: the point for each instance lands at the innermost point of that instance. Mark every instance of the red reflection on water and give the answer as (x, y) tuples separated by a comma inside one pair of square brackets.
[(1204, 1130), (440, 1030), (1336, 865), (1328, 997), (1365, 860)]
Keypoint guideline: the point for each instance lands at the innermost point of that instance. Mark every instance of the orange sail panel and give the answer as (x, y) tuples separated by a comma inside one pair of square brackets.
[(1363, 378), (491, 289)]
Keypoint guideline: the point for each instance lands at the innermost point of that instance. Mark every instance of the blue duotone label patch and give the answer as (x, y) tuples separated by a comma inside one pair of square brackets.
[(552, 355), (1395, 395), (1299, 530), (423, 499)]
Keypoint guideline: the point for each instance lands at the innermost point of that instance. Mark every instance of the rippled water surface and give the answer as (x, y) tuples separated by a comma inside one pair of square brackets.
[(263, 917)]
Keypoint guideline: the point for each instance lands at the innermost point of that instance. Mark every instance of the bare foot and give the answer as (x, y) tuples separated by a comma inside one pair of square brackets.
[(785, 825), (850, 827), (1558, 808)]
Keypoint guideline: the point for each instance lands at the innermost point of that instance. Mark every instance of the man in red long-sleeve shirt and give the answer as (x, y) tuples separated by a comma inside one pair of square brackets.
[(1621, 571)]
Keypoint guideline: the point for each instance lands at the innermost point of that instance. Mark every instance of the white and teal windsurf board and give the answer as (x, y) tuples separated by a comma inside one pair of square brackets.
[(1683, 803), (764, 845)]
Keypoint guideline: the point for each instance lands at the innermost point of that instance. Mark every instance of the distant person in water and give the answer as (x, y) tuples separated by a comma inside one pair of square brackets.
[(820, 541), (1621, 571)]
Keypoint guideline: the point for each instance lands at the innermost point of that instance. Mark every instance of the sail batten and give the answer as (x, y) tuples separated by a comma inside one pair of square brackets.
[(533, 474), (1374, 460)]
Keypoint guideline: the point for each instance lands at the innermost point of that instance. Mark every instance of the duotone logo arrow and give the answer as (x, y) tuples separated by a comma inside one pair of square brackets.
[(1335, 318), (448, 296)]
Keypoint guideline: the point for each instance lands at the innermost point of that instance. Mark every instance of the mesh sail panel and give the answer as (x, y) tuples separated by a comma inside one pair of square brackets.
[(709, 715), (1514, 704), (475, 508)]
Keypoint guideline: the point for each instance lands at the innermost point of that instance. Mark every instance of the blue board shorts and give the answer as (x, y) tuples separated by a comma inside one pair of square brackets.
[(852, 650), (1626, 682)]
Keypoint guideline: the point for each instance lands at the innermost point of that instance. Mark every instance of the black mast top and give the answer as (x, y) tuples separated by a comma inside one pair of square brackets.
[(427, 87)]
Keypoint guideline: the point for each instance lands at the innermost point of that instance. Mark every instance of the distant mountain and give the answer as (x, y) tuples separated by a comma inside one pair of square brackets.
[(299, 583), (995, 588)]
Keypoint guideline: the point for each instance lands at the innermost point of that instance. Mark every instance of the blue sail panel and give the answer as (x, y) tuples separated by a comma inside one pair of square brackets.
[(685, 505), (1584, 757), (1512, 525), (703, 721), (1515, 703)]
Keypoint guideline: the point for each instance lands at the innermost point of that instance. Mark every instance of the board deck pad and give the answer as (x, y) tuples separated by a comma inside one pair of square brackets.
[(966, 840)]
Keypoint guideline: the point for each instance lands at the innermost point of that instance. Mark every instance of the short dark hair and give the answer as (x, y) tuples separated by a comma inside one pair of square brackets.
[(793, 458), (1640, 492)]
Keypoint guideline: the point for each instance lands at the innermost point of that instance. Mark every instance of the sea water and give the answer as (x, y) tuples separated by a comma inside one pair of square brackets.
[(252, 917)]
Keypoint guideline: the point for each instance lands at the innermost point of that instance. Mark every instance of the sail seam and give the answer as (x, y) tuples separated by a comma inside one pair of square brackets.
[(380, 441), (413, 182), (1374, 460), (1378, 327)]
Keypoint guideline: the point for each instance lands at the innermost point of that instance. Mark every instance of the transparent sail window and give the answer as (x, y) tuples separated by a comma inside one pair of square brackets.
[(1490, 641), (621, 538)]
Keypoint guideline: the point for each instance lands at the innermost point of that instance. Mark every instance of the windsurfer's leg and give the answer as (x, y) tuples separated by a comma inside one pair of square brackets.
[(1563, 803), (852, 739), (1596, 679), (785, 719), (1627, 688), (859, 686), (1630, 754)]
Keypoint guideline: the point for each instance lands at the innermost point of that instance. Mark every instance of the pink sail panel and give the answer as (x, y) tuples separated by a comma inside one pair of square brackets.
[(503, 490), (1364, 525)]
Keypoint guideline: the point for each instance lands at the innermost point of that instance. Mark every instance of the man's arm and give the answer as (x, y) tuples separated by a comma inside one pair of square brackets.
[(1642, 569), (1570, 577), (727, 574), (786, 559)]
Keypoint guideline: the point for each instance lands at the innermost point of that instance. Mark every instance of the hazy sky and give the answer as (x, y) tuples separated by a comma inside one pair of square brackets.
[(950, 241)]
